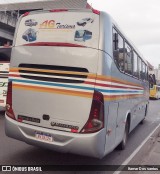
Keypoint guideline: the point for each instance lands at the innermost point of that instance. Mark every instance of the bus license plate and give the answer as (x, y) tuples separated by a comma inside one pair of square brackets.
[(43, 136)]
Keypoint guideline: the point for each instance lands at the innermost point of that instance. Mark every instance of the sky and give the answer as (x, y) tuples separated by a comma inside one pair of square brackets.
[(139, 20)]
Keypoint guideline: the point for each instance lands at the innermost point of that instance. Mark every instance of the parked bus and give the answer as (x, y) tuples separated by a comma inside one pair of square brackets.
[(4, 70), (154, 91), (73, 96)]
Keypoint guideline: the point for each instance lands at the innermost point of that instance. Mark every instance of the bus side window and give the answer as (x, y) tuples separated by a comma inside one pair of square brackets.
[(135, 64), (146, 73), (118, 50), (128, 59), (115, 40), (143, 71)]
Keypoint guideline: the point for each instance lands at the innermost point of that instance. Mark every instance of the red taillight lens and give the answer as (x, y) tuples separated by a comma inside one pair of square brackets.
[(96, 11), (93, 10), (96, 117), (9, 110), (58, 10), (26, 14)]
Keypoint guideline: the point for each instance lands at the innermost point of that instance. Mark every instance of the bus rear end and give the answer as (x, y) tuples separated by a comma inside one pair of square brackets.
[(154, 91), (5, 53), (52, 101)]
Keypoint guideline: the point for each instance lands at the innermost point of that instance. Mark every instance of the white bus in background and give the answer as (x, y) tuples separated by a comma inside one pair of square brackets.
[(4, 70)]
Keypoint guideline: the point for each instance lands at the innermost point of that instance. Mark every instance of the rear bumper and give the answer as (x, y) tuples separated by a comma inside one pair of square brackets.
[(83, 144)]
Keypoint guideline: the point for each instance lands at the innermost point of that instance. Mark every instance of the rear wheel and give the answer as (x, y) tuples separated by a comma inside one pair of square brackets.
[(123, 143)]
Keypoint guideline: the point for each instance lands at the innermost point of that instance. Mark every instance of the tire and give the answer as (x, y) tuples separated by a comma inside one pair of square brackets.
[(123, 143), (142, 122)]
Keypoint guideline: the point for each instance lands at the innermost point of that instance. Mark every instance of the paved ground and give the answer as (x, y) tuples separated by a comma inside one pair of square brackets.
[(148, 156), (14, 152)]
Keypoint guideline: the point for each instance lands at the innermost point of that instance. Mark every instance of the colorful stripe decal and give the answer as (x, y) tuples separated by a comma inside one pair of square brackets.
[(53, 71), (51, 84), (112, 88), (52, 90), (4, 74)]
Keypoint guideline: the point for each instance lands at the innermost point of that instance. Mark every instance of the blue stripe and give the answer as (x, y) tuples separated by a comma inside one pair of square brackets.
[(52, 84), (118, 91), (76, 87)]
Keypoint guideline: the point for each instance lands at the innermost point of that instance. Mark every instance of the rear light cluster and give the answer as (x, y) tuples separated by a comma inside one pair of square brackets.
[(96, 117), (9, 110), (63, 10), (96, 11), (58, 10), (54, 10), (93, 10), (26, 14)]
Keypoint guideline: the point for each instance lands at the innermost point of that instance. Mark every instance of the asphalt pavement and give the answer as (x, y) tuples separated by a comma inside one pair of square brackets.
[(13, 152)]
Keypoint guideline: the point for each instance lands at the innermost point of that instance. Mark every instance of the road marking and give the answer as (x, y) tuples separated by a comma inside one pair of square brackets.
[(135, 151)]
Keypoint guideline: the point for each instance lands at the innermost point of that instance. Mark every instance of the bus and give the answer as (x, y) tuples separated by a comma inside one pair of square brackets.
[(82, 35), (72, 96), (154, 91), (4, 71)]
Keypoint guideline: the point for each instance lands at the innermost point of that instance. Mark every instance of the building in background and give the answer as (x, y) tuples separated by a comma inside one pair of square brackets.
[(8, 20), (10, 12)]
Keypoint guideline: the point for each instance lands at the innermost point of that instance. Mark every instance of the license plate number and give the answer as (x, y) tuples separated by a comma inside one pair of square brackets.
[(43, 136)]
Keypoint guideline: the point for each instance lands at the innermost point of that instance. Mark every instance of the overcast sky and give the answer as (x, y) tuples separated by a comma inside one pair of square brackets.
[(140, 22), (138, 19)]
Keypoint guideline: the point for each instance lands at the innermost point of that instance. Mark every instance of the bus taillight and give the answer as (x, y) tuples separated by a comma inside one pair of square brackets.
[(9, 110), (26, 14), (96, 117)]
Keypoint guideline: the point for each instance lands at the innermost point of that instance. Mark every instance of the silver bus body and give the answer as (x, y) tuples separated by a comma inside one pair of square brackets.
[(56, 87)]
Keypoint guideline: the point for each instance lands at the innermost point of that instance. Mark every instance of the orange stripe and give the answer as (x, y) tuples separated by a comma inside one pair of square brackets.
[(117, 97), (53, 71), (116, 80), (89, 75), (73, 93), (13, 70), (59, 91)]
